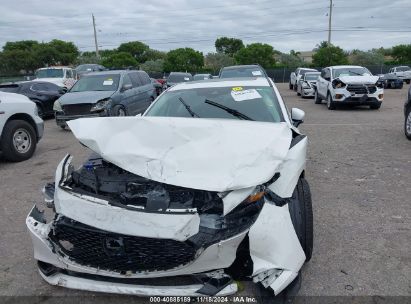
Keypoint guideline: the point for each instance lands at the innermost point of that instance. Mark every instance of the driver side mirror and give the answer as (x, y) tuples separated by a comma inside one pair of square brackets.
[(297, 116), (126, 87)]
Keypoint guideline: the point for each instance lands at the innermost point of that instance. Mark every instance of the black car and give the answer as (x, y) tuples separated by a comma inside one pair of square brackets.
[(83, 69), (178, 77), (44, 94), (391, 81), (202, 76), (407, 112), (240, 71), (109, 93)]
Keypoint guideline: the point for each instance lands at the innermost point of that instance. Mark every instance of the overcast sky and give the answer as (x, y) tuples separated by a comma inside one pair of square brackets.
[(165, 25)]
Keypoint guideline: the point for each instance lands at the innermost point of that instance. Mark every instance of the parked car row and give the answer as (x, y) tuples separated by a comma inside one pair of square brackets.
[(340, 85)]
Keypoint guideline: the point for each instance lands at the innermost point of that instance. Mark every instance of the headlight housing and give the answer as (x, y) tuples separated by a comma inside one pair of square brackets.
[(338, 84), (57, 106), (100, 105), (306, 85)]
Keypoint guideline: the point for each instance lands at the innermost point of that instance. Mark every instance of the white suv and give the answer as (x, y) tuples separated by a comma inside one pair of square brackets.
[(20, 126), (349, 85), (64, 77)]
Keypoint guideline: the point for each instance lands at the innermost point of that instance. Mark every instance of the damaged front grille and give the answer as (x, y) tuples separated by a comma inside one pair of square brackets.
[(361, 89), (77, 109), (115, 252)]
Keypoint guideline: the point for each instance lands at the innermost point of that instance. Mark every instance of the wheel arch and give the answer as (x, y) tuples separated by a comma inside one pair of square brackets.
[(25, 117)]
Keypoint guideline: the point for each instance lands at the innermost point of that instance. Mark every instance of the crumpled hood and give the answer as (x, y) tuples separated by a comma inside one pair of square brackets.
[(84, 97), (208, 154), (359, 79)]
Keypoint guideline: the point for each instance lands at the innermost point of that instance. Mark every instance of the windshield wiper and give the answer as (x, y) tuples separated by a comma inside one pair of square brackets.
[(192, 113), (359, 74), (227, 109)]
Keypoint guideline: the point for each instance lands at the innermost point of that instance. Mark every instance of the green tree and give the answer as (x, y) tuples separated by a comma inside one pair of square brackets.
[(153, 55), (119, 60), (260, 53), (358, 57), (153, 65), (402, 53), (137, 49), (215, 61), (67, 52), (228, 46), (45, 55), (329, 55), (291, 60), (184, 59)]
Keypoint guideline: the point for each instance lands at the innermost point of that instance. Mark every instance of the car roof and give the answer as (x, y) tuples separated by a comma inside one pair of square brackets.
[(223, 82), (112, 72), (233, 67), (345, 66), (180, 73), (54, 67)]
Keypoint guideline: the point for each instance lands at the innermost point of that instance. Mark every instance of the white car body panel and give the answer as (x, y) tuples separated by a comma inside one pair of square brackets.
[(11, 104), (132, 144), (66, 81), (171, 151)]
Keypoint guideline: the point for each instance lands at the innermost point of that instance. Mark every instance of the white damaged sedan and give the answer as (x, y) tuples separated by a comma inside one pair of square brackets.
[(206, 188)]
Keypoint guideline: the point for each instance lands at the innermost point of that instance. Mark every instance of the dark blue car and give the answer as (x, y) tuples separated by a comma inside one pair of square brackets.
[(109, 93)]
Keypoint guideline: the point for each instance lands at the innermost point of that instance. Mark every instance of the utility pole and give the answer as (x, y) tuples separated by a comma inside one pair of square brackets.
[(95, 35), (329, 22)]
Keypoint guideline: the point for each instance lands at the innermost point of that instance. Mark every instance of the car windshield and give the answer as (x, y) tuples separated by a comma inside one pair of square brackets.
[(179, 78), (403, 69), (242, 72), (97, 83), (310, 76), (201, 77), (50, 73), (256, 103), (85, 67), (350, 72)]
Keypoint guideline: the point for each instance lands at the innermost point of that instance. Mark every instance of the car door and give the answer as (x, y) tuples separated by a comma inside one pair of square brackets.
[(323, 83), (127, 96), (147, 90), (138, 91)]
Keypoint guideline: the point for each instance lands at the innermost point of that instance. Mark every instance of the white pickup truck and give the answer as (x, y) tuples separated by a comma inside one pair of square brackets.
[(296, 75), (402, 72), (62, 76), (20, 126)]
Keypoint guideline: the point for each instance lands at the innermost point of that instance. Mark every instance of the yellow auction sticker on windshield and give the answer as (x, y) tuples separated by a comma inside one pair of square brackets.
[(236, 89)]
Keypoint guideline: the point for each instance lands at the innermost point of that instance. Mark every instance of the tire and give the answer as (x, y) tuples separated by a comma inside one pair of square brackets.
[(301, 212), (317, 98), (375, 106), (290, 86), (63, 127), (120, 111), (330, 102), (18, 141), (295, 87), (392, 85), (407, 124), (408, 81)]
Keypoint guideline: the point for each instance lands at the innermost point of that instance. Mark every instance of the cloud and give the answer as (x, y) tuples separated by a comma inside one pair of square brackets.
[(165, 25)]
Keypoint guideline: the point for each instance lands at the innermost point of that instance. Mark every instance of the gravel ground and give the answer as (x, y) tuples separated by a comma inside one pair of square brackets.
[(359, 169)]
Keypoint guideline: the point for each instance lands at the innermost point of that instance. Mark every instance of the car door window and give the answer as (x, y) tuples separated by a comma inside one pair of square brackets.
[(126, 80), (144, 78), (327, 74), (135, 80)]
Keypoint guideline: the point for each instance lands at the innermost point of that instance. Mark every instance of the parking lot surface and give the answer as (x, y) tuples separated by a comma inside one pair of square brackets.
[(359, 169)]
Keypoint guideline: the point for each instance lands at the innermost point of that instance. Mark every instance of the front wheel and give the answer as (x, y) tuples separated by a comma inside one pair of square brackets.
[(408, 81), (330, 103), (119, 111), (290, 86), (317, 98), (18, 141), (407, 124)]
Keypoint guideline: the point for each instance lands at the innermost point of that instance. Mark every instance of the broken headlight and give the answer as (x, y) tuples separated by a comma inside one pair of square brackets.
[(57, 106), (306, 85), (101, 105), (338, 84)]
